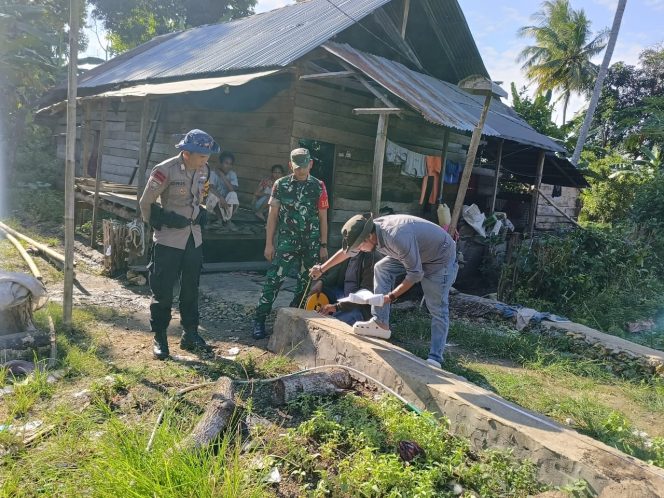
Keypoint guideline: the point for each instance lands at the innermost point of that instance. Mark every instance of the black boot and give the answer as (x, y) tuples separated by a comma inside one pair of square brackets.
[(192, 341), (160, 345), (259, 330)]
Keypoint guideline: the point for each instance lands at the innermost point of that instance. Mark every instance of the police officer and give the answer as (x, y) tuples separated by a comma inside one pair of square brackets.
[(298, 208), (181, 183)]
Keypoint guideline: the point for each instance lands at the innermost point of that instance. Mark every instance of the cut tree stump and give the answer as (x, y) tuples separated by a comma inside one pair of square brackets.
[(314, 384), (115, 257), (217, 416)]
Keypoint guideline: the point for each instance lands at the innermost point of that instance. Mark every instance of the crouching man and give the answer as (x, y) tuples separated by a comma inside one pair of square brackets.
[(416, 248), (181, 184)]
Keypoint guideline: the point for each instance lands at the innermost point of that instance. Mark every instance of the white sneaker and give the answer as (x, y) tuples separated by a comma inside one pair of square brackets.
[(434, 363), (371, 329)]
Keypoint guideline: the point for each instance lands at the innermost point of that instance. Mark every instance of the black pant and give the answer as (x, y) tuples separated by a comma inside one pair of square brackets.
[(167, 266)]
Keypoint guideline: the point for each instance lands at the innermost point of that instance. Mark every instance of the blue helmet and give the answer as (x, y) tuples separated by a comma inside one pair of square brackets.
[(199, 142)]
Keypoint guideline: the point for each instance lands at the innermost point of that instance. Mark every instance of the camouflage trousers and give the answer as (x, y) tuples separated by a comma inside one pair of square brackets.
[(290, 254)]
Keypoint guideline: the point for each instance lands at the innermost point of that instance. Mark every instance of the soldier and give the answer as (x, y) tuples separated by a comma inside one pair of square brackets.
[(181, 182), (298, 208)]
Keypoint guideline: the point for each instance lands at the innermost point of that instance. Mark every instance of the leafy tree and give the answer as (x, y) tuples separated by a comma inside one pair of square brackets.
[(33, 54), (630, 113), (560, 59), (536, 111), (132, 22)]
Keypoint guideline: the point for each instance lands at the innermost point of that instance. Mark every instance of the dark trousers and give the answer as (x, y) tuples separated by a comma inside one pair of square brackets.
[(169, 265)]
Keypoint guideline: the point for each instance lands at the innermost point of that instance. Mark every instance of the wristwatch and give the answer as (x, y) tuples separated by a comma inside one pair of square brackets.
[(323, 244), (391, 297)]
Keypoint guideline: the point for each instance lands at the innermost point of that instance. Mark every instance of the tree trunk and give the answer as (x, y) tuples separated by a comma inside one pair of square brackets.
[(314, 384), (565, 102), (217, 416), (604, 68)]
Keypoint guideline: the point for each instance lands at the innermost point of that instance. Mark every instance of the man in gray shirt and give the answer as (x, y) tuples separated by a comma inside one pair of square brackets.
[(414, 247)]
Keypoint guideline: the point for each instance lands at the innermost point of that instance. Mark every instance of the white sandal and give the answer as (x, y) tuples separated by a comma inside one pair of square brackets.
[(371, 329)]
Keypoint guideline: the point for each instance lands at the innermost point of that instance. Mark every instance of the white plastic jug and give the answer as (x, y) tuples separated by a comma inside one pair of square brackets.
[(444, 215)]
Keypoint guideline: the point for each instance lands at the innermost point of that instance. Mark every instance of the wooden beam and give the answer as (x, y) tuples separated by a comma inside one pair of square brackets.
[(394, 33), (322, 76), (377, 110), (496, 178), (443, 160), (468, 168), (535, 198), (368, 86), (143, 151), (100, 151), (406, 10), (85, 137), (379, 156)]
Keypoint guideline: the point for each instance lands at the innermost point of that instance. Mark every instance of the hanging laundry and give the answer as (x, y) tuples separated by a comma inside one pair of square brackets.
[(412, 163), (452, 172), (395, 154), (434, 165)]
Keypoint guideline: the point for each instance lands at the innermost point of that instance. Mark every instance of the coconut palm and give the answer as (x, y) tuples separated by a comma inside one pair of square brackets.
[(560, 59)]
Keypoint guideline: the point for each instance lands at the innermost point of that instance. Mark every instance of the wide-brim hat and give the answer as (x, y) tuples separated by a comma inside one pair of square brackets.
[(199, 142), (356, 230)]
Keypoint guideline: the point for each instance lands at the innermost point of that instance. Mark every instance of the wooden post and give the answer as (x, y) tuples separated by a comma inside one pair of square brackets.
[(379, 155), (443, 160), (100, 153), (535, 199), (70, 165), (468, 168), (143, 151), (496, 178), (85, 137)]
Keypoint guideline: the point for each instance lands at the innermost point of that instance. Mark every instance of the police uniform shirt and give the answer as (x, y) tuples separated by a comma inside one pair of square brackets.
[(182, 191)]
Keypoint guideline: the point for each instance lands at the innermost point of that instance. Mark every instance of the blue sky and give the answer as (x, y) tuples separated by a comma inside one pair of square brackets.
[(494, 25)]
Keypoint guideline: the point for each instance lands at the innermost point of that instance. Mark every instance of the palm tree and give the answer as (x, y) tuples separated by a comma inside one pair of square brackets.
[(599, 82), (560, 59)]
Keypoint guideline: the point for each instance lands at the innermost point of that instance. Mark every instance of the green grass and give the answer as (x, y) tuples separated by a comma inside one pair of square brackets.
[(543, 374)]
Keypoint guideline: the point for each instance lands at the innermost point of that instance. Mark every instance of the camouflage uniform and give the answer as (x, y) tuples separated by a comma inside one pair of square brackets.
[(298, 236)]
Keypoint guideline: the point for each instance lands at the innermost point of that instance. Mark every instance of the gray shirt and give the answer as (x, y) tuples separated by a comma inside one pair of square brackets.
[(422, 247), (180, 190)]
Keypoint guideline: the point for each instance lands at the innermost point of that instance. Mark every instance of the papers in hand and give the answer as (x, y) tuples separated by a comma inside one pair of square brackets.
[(364, 296)]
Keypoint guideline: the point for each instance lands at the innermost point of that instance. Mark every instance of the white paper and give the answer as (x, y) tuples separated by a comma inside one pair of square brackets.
[(364, 296)]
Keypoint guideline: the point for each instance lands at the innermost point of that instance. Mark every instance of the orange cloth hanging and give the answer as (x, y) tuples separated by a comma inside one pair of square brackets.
[(434, 167)]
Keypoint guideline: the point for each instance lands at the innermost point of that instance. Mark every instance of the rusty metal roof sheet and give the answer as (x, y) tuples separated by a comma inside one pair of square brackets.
[(441, 102), (268, 40)]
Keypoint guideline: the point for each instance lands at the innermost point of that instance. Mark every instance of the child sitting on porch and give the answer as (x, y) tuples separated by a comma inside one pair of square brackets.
[(264, 191), (222, 199)]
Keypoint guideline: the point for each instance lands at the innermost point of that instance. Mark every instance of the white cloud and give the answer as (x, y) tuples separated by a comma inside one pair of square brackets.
[(265, 5), (655, 4)]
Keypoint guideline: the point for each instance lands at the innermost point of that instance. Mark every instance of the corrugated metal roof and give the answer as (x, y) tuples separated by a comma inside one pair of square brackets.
[(440, 102), (271, 39)]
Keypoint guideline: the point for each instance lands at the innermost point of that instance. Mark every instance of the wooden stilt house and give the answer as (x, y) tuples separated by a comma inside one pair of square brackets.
[(346, 78)]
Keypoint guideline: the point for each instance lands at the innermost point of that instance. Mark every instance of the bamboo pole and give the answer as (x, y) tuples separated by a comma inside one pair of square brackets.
[(100, 153), (70, 165), (47, 251), (85, 137), (496, 178), (379, 156), (468, 168), (24, 254), (536, 191)]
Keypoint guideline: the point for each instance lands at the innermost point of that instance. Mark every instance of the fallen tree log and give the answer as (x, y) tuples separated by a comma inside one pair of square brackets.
[(315, 384), (217, 416)]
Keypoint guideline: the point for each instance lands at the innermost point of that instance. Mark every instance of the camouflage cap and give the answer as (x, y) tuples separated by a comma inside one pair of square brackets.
[(356, 230), (300, 158), (199, 142)]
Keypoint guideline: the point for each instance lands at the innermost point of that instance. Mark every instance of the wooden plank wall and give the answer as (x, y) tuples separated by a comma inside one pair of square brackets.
[(258, 139), (547, 216), (324, 112)]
